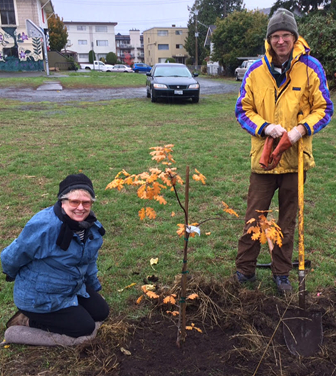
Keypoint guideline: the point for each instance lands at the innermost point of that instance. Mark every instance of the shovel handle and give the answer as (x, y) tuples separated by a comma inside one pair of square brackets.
[(301, 225)]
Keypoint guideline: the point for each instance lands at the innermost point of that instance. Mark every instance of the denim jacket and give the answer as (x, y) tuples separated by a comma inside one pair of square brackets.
[(48, 278)]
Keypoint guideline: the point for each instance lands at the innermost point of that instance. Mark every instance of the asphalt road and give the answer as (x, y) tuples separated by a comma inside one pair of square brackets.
[(208, 86)]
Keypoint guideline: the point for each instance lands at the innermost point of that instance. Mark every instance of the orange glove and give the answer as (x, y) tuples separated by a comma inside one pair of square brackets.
[(265, 158), (283, 145)]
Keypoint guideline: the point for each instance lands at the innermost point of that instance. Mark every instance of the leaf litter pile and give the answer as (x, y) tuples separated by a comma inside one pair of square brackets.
[(232, 330)]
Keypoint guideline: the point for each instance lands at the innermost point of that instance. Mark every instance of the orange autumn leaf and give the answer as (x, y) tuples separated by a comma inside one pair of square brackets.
[(169, 299), (152, 295), (263, 238), (160, 199), (228, 210), (139, 299), (174, 313), (188, 327), (192, 296), (150, 213), (144, 288), (141, 192), (172, 214), (142, 213), (181, 230), (199, 177)]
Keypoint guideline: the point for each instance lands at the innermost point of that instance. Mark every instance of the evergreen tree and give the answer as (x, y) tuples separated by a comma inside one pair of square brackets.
[(208, 12), (239, 34)]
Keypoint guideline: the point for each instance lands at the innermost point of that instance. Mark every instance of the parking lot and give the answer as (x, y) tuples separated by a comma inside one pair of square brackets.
[(208, 86)]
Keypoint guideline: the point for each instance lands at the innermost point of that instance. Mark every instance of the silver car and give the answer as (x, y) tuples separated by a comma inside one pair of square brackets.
[(122, 68), (240, 71)]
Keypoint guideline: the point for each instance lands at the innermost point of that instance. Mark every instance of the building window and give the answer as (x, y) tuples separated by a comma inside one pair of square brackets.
[(102, 43), (10, 52), (179, 46), (83, 56), (163, 46), (7, 12), (178, 32), (162, 33), (81, 27), (101, 29), (82, 42)]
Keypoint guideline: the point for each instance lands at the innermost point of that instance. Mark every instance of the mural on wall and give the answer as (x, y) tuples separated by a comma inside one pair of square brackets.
[(18, 52)]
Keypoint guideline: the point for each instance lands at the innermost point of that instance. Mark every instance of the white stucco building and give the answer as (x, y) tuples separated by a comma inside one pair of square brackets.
[(86, 36)]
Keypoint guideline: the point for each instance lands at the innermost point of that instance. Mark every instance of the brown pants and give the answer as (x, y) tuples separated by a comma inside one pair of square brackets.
[(260, 194)]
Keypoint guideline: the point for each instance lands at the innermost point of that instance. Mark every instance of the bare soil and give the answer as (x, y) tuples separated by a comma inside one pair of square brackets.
[(242, 335)]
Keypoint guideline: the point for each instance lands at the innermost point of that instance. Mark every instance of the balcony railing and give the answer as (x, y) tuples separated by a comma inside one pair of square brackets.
[(129, 46)]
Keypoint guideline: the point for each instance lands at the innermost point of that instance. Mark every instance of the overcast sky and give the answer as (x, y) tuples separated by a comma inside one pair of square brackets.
[(134, 14)]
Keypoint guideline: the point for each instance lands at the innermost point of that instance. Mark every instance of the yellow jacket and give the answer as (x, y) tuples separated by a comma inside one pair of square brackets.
[(302, 98)]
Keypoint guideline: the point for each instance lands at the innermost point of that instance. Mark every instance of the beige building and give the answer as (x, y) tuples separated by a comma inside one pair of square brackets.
[(86, 36), (161, 43)]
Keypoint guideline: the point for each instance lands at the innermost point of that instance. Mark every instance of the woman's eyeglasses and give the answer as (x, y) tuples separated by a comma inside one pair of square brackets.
[(76, 203)]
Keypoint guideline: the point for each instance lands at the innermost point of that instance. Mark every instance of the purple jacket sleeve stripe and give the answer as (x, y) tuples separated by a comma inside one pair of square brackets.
[(318, 69)]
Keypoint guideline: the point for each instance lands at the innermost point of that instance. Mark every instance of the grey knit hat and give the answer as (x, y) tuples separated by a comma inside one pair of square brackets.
[(282, 19)]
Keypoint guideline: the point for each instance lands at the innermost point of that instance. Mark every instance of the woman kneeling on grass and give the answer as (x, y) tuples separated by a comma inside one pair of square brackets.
[(53, 263)]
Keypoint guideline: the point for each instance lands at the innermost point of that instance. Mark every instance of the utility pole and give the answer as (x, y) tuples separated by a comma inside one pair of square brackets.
[(196, 37)]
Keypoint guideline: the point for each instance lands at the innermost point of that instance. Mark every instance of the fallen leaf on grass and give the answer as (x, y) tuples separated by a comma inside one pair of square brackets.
[(146, 288), (127, 287), (153, 261)]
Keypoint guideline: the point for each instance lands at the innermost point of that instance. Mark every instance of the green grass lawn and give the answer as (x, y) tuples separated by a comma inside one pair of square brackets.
[(41, 143)]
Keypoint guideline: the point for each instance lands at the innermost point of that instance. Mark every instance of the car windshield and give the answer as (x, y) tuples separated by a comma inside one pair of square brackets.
[(172, 71)]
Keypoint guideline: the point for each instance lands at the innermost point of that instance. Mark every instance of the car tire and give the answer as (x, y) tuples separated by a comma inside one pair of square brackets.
[(87, 68), (153, 99), (195, 100), (237, 78), (148, 94)]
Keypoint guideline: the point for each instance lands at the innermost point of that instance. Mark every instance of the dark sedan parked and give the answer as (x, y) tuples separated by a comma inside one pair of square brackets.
[(170, 80)]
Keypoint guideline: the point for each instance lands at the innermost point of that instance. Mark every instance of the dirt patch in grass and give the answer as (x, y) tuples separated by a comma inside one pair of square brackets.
[(241, 335)]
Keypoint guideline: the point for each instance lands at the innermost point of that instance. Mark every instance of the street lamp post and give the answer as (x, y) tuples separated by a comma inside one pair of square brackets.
[(196, 37)]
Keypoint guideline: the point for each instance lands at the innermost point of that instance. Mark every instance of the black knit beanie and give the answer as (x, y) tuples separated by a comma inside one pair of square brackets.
[(282, 19), (75, 181)]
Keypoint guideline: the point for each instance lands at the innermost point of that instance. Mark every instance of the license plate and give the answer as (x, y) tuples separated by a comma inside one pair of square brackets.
[(178, 92)]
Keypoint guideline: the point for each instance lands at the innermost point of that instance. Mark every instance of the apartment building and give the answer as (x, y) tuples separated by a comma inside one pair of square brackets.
[(17, 50), (86, 36), (130, 45), (161, 43)]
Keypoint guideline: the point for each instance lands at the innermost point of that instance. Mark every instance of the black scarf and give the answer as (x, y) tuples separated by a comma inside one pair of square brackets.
[(69, 226)]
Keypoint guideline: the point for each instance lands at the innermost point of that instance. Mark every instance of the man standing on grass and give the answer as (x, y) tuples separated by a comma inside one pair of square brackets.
[(283, 97)]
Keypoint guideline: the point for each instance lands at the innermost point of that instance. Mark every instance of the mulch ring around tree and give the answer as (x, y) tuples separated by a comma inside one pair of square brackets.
[(234, 331)]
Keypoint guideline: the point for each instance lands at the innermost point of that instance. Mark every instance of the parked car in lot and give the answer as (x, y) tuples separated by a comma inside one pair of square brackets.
[(122, 68), (98, 66), (240, 71), (172, 80), (141, 67)]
